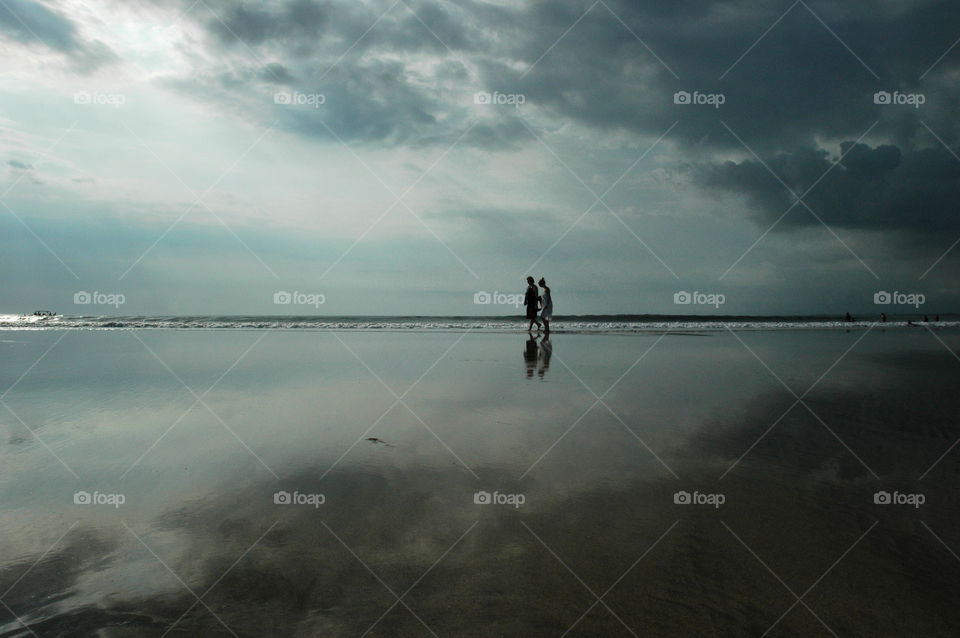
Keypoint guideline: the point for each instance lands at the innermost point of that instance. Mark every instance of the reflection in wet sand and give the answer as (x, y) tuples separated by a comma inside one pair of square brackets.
[(599, 518), (530, 354), (546, 351)]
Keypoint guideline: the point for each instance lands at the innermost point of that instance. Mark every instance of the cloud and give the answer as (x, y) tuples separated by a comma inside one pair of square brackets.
[(403, 75), (292, 22), (398, 81), (276, 73), (28, 22), (25, 170), (32, 23), (387, 77), (873, 188), (797, 84)]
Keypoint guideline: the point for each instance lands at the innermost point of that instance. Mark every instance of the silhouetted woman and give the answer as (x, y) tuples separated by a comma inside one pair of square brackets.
[(546, 305)]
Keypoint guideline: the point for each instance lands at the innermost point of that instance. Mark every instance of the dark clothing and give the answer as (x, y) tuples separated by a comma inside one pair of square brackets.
[(530, 356), (530, 301)]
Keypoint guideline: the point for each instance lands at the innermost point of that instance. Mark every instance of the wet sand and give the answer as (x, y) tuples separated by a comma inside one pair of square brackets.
[(704, 415)]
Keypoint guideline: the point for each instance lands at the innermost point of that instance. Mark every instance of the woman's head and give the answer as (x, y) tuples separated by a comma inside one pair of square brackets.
[(542, 282)]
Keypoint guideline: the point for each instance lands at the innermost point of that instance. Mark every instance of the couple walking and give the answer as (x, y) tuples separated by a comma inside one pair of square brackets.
[(531, 300)]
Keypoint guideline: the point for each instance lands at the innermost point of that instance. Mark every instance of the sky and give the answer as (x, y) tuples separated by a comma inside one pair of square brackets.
[(404, 157)]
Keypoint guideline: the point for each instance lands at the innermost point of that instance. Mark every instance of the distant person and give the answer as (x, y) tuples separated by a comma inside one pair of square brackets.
[(925, 320), (848, 318), (530, 300), (937, 318), (546, 305), (883, 317)]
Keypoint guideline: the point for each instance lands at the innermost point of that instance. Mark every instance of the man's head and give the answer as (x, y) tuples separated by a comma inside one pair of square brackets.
[(530, 281)]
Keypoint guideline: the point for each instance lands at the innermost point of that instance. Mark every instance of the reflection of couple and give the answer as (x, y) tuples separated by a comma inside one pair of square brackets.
[(531, 300), (531, 353)]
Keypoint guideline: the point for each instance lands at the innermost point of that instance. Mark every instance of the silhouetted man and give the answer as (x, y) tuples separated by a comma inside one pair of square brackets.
[(531, 300)]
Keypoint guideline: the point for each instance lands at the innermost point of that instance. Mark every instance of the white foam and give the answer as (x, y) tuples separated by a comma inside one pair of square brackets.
[(482, 324)]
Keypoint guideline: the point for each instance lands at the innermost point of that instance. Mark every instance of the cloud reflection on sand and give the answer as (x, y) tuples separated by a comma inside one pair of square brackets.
[(597, 501)]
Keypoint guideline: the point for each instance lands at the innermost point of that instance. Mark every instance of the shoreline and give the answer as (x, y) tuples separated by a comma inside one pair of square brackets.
[(559, 327)]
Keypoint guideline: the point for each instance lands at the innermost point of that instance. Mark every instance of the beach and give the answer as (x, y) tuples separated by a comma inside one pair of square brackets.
[(467, 482), (483, 319)]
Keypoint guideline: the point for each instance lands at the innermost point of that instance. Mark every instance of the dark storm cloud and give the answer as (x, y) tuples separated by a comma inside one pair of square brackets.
[(275, 73), (798, 81), (871, 188), (797, 92), (368, 96), (28, 22), (32, 23), (799, 86), (371, 101), (307, 27), (298, 21)]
